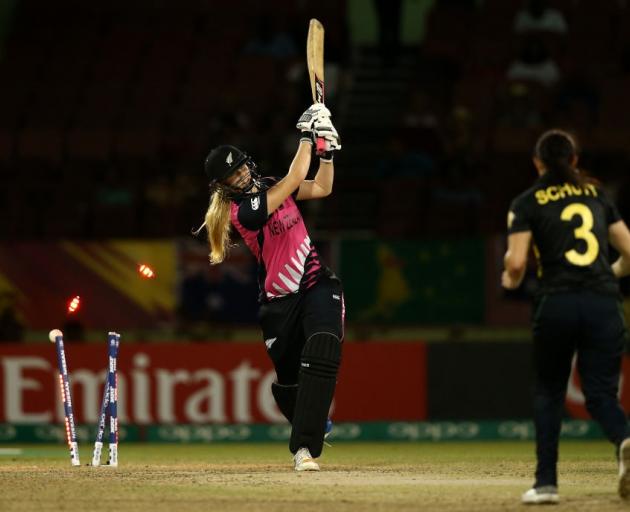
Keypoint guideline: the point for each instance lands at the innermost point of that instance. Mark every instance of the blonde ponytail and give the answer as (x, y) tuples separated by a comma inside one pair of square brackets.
[(217, 223)]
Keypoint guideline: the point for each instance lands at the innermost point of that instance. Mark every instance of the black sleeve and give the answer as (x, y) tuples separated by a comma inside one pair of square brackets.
[(252, 211), (612, 212), (519, 216)]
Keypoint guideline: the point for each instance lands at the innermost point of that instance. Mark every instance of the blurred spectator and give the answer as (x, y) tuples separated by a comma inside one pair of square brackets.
[(458, 133), (459, 190), (402, 162), (159, 192), (416, 145), (517, 107), (459, 154), (537, 16), (578, 102), (458, 183), (420, 123), (114, 190), (278, 134), (186, 188), (11, 328), (270, 41), (193, 295), (534, 64), (389, 29), (458, 186), (233, 291), (192, 308)]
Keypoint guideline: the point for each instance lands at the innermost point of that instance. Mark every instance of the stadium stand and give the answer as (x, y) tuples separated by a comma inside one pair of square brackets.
[(110, 108)]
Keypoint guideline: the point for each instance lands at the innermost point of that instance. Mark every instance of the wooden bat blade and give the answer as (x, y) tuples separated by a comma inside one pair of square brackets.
[(315, 59)]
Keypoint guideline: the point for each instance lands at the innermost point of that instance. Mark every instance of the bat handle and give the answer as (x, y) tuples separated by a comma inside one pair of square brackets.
[(320, 146)]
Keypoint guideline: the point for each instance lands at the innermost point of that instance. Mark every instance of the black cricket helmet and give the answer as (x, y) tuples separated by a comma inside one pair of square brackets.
[(221, 163)]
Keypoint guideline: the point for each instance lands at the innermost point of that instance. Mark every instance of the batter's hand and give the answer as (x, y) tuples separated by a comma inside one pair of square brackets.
[(323, 127), (310, 115)]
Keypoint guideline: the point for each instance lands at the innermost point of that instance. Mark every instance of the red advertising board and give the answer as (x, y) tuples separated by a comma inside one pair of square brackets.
[(204, 383)]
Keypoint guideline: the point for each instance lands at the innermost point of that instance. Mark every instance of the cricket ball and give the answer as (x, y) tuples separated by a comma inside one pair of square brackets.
[(52, 335)]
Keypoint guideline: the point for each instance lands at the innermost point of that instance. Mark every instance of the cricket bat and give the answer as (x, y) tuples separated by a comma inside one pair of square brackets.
[(315, 64)]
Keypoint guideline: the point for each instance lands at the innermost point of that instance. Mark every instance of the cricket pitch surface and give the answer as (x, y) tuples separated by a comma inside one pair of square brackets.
[(454, 476)]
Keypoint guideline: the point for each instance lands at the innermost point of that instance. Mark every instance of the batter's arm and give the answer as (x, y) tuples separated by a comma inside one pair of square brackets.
[(321, 185), (287, 185)]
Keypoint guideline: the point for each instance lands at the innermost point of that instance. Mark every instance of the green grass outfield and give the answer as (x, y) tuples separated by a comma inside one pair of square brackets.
[(484, 476)]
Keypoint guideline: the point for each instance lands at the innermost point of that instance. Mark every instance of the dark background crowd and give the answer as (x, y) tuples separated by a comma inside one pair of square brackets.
[(107, 109)]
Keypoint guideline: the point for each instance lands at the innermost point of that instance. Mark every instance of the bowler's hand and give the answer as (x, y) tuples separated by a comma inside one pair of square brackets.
[(508, 282)]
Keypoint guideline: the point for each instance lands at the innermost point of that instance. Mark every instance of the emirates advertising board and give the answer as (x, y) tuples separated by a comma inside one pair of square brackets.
[(204, 383)]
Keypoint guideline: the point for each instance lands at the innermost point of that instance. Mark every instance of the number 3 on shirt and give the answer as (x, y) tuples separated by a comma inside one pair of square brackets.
[(581, 259)]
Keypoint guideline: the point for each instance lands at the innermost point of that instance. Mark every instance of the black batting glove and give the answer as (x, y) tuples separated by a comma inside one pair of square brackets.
[(307, 136)]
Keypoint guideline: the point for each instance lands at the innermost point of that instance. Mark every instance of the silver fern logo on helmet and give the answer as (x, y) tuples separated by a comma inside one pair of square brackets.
[(229, 159)]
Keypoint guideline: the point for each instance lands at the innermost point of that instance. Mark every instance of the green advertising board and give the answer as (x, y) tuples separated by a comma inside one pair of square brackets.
[(431, 281), (426, 431), (45, 433)]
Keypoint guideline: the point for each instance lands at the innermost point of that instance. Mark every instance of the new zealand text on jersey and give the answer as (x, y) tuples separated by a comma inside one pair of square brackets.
[(279, 226), (557, 192)]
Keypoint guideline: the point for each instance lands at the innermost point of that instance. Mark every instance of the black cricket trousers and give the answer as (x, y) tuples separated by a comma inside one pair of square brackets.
[(591, 325), (287, 323)]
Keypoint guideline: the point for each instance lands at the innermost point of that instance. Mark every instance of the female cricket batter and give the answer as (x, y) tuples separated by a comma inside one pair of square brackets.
[(577, 307), (302, 309)]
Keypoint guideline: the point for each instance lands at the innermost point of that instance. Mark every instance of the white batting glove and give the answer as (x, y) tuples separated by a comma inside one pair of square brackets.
[(323, 127), (315, 111)]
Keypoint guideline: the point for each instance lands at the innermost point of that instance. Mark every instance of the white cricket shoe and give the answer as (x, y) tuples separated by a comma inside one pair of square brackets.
[(304, 461), (546, 494), (624, 469)]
